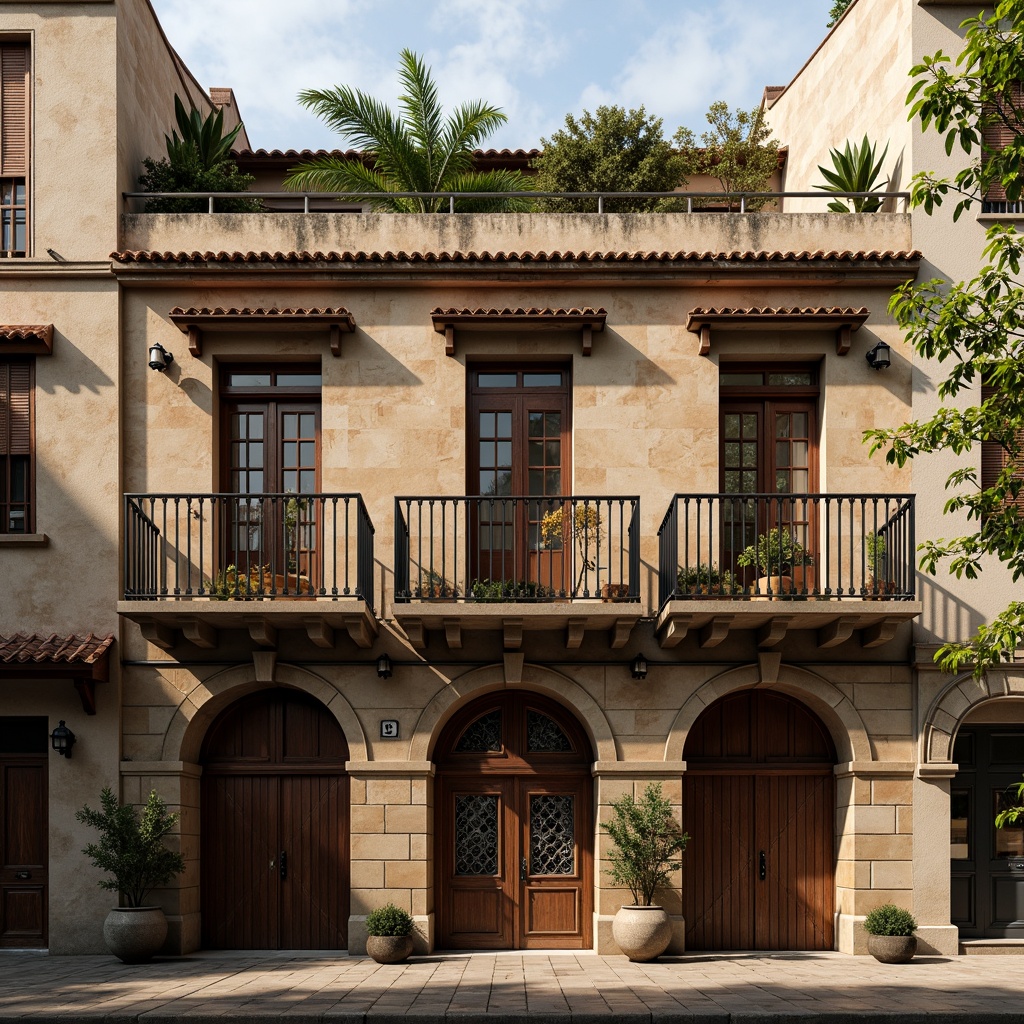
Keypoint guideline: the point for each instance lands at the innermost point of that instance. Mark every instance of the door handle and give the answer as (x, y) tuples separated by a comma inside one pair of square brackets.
[(284, 865), (23, 876), (523, 870), (762, 865)]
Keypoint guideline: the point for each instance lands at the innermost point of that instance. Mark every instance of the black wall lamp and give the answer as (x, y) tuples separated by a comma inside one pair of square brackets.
[(159, 357), (639, 667), (62, 739), (878, 357), (383, 667)]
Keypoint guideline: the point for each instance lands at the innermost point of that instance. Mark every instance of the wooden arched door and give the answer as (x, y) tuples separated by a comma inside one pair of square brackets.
[(514, 827), (275, 826), (759, 804)]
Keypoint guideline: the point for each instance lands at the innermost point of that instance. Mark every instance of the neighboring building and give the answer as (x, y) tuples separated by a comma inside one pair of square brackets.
[(406, 552), (969, 736)]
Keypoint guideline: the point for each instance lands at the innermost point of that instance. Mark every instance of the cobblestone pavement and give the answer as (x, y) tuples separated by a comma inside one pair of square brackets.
[(508, 988)]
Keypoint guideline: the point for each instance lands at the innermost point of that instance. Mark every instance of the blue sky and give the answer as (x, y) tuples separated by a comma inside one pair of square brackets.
[(538, 61)]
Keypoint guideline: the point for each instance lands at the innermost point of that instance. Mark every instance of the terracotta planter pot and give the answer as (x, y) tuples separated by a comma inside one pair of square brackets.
[(777, 585), (135, 934), (892, 949), (614, 591), (642, 933), (389, 949)]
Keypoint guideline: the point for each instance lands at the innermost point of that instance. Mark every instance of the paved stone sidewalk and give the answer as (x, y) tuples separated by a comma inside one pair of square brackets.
[(508, 988)]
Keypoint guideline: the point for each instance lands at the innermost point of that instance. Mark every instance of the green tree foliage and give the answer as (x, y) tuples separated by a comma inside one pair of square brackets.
[(648, 839), (131, 847), (854, 169), (197, 161), (838, 10), (975, 329), (611, 150), (415, 150), (737, 150)]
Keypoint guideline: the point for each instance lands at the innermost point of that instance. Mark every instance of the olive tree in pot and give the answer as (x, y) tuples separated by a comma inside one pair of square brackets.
[(891, 938), (648, 839), (132, 850), (389, 934)]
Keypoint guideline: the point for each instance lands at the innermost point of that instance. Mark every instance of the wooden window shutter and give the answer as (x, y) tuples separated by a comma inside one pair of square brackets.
[(998, 136), (14, 109), (15, 408), (994, 458)]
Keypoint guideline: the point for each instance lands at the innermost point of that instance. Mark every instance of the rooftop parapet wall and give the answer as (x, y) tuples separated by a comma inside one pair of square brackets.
[(516, 232)]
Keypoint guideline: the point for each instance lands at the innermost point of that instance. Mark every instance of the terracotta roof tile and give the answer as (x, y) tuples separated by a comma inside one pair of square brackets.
[(246, 311), (528, 256), (25, 339), (575, 311), (810, 311), (24, 648)]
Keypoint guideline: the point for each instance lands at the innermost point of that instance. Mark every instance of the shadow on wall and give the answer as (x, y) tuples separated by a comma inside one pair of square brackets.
[(945, 615)]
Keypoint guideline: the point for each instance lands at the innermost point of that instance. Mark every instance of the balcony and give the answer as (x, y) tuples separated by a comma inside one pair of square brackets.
[(195, 564), (835, 564), (517, 563)]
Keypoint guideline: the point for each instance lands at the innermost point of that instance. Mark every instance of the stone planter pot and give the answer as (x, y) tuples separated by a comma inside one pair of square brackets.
[(892, 949), (777, 585), (135, 934), (642, 933), (389, 949)]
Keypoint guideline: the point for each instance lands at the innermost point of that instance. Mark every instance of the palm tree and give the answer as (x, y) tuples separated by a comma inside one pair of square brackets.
[(417, 150)]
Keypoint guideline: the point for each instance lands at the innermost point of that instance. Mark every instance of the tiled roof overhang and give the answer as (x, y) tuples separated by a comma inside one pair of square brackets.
[(585, 319), (844, 320), (621, 267), (31, 339), (194, 321), (83, 659)]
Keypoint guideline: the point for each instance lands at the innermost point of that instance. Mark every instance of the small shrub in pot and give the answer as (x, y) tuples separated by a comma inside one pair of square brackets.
[(890, 931), (389, 934)]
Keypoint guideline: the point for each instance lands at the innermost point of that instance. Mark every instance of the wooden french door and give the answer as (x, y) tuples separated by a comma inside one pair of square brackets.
[(987, 864), (275, 827), (768, 447), (514, 862), (271, 439), (519, 439), (759, 802), (24, 818)]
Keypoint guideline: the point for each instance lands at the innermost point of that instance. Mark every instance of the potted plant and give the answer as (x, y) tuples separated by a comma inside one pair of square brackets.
[(891, 938), (877, 582), (389, 934), (132, 850), (648, 839), (699, 579), (775, 553), (586, 527)]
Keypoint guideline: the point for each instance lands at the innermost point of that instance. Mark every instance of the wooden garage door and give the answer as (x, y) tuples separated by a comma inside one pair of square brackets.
[(759, 802), (275, 809), (515, 827)]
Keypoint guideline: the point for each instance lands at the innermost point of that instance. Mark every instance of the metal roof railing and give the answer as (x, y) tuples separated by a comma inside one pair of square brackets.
[(693, 199)]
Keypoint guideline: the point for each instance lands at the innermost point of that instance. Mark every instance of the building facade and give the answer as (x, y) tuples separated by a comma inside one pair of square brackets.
[(392, 549)]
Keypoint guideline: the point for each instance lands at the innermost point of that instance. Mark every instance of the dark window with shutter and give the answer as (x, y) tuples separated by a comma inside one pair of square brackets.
[(16, 446), (994, 457), (998, 136), (14, 148)]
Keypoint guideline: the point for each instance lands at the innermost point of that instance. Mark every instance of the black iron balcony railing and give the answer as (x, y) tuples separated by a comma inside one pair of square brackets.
[(238, 546), (516, 548), (823, 546)]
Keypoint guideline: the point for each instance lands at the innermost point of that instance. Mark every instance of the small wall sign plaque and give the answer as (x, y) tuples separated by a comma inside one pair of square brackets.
[(389, 728)]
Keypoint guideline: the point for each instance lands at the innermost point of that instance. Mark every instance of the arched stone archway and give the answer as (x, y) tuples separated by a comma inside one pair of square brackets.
[(207, 698), (828, 702), (491, 678)]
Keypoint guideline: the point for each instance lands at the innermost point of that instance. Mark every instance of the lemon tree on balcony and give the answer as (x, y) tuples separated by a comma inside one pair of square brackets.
[(584, 523)]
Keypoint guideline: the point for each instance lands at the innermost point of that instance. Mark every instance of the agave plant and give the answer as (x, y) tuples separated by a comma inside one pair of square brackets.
[(855, 169), (201, 137)]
